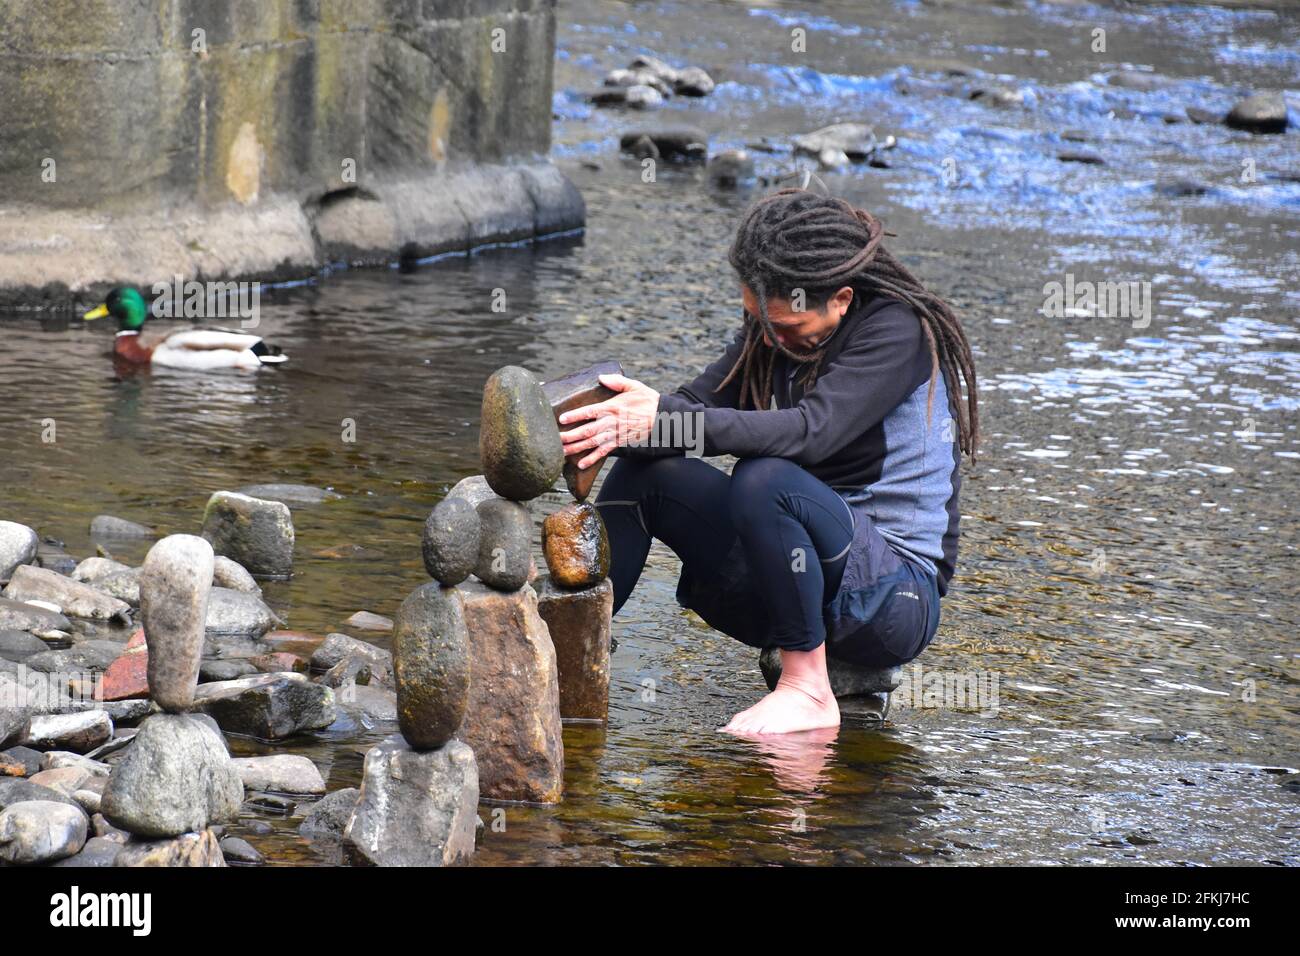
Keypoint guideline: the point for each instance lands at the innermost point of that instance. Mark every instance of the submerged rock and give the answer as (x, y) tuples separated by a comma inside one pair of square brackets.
[(280, 773), (576, 546), (236, 614), (108, 526), (18, 544), (188, 849), (505, 544), (512, 720), (40, 832), (290, 494), (681, 144), (577, 390), (72, 597), (580, 624), (519, 442), (451, 541), (256, 533), (174, 587), (176, 777), (431, 665), (268, 706), (233, 576), (1261, 113), (414, 808), (369, 621)]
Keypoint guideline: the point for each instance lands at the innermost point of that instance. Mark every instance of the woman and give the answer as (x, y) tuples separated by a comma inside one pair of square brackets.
[(838, 525)]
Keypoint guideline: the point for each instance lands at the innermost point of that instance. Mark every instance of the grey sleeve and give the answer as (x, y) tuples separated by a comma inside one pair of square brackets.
[(863, 384)]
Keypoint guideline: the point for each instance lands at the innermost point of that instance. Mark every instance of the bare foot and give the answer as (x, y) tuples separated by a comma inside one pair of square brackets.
[(802, 699)]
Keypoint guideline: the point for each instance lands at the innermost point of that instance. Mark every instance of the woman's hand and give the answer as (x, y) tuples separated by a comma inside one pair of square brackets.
[(627, 417)]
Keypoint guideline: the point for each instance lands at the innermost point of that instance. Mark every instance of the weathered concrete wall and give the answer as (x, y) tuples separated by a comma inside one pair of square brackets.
[(140, 139)]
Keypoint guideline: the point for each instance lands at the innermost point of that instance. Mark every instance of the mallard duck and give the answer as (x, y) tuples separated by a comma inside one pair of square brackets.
[(189, 348)]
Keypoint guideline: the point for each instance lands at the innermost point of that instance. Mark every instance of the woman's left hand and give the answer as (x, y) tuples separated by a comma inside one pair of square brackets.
[(627, 417)]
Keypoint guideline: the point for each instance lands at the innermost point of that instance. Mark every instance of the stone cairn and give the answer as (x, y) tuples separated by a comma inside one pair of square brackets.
[(177, 777), (488, 656)]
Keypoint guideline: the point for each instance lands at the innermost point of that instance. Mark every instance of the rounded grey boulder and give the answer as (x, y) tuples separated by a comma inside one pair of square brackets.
[(450, 543), (175, 584), (176, 777), (505, 544), (40, 831), (431, 665), (254, 532), (519, 441), (18, 544)]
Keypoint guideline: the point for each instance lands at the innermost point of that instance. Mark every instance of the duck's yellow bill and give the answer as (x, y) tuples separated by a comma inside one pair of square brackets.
[(98, 312)]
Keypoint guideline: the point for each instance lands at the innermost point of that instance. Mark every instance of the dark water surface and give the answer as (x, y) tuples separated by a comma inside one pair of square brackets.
[(1128, 556)]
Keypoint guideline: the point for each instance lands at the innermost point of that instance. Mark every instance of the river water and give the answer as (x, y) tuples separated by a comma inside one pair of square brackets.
[(1126, 588)]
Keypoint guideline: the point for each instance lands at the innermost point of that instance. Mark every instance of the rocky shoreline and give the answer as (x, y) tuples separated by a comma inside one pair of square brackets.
[(120, 686)]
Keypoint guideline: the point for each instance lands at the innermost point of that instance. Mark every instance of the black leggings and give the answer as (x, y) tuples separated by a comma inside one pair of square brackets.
[(794, 529)]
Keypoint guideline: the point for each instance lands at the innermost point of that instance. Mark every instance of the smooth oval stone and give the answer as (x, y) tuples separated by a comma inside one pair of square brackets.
[(175, 583), (450, 543), (576, 546), (431, 665), (505, 544), (519, 441)]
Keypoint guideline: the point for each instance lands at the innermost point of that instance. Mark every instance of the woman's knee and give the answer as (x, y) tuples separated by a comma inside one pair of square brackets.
[(757, 485)]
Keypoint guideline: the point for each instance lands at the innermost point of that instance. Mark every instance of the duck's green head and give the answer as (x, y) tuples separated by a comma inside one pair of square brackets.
[(124, 304)]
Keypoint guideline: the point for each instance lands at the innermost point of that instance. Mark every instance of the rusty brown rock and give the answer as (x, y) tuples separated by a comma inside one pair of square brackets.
[(574, 391), (576, 546), (580, 624), (512, 720)]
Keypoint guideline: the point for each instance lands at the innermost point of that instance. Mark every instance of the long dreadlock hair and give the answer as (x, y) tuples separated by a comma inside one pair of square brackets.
[(794, 239)]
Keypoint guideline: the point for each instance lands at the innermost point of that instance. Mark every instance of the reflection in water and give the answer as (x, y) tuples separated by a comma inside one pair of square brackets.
[(798, 761), (1128, 534)]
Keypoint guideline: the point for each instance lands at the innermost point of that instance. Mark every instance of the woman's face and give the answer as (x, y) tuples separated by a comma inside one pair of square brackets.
[(800, 331)]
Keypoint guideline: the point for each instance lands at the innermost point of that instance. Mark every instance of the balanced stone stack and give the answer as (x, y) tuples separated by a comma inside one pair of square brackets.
[(576, 599), (512, 715), (418, 801), (176, 778)]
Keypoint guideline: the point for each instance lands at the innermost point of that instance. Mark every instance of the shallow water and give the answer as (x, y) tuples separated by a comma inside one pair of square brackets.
[(1126, 570)]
